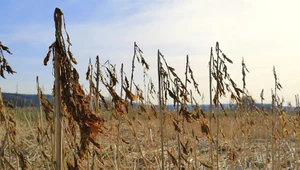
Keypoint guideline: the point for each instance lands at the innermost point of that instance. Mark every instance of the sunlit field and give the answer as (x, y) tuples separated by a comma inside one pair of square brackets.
[(145, 125)]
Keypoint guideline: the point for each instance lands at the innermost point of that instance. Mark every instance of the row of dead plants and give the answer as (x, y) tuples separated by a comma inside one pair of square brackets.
[(144, 127)]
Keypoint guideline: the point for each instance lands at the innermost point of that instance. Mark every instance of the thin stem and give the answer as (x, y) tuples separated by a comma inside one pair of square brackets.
[(132, 70), (210, 107), (177, 122), (217, 100), (58, 116), (161, 110)]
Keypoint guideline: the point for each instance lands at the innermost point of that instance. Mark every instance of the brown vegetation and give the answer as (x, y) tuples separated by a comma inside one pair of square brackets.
[(89, 131)]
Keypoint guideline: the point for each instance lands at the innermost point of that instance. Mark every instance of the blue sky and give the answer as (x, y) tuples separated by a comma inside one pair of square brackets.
[(265, 33)]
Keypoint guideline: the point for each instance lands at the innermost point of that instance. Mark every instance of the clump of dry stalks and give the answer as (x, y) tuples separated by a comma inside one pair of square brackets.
[(8, 122), (72, 97)]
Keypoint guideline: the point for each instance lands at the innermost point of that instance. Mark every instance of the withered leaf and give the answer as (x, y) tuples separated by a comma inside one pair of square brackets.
[(226, 58), (5, 48), (126, 82), (129, 122), (256, 109), (153, 108), (143, 108), (172, 71), (144, 63), (138, 59), (185, 150), (206, 165), (177, 128), (46, 59), (103, 101), (171, 68), (22, 161), (174, 160), (113, 79), (9, 104), (232, 97), (72, 58), (123, 140), (205, 128), (9, 70), (262, 94), (131, 96), (2, 72), (87, 74), (172, 95), (223, 109)]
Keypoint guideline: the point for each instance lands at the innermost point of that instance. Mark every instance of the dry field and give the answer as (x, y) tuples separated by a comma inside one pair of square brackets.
[(245, 141), (134, 129)]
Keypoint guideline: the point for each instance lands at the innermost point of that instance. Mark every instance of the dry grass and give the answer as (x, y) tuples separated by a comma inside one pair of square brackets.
[(241, 144)]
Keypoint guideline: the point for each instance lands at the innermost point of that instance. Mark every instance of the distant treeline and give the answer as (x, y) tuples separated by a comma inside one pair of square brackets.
[(20, 100), (205, 107)]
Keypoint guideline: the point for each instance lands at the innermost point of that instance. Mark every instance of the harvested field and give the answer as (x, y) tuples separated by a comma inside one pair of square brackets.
[(159, 126)]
